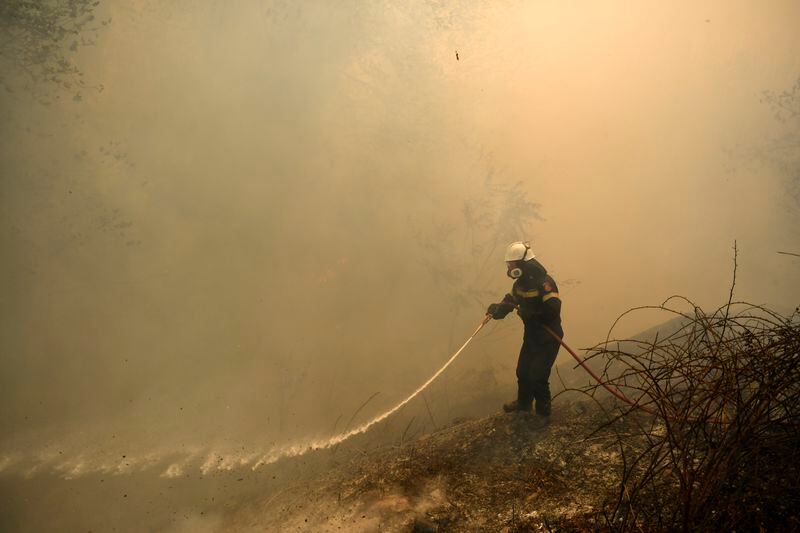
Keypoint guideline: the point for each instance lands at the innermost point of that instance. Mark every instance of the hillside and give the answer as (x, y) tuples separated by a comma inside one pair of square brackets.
[(714, 447), (502, 472), (719, 449)]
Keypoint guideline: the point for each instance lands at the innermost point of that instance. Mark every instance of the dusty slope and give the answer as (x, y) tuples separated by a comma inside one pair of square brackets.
[(502, 472)]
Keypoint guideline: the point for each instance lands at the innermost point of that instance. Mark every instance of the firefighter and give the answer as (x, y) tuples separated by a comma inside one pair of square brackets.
[(535, 296)]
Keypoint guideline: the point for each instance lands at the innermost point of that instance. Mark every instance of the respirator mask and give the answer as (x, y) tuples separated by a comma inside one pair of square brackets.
[(516, 255), (514, 271)]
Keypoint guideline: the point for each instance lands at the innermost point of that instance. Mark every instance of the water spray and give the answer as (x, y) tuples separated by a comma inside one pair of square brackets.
[(300, 449)]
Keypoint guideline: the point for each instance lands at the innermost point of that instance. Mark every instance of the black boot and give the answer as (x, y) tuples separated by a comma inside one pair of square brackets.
[(510, 407), (543, 408), (541, 393)]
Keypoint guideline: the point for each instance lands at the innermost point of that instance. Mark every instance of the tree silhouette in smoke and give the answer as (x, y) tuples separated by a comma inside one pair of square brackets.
[(458, 256), (784, 150), (36, 40)]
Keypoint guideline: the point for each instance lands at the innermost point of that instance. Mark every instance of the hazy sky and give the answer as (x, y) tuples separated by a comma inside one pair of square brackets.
[(259, 221)]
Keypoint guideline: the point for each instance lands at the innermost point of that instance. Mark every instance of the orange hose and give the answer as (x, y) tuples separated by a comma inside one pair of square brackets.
[(616, 392)]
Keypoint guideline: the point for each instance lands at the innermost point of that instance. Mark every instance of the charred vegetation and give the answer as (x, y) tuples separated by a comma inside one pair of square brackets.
[(722, 451)]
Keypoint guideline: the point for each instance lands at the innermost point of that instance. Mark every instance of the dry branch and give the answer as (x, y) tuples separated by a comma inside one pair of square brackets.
[(722, 452)]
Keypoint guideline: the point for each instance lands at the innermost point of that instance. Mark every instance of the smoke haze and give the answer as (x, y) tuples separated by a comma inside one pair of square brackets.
[(262, 213)]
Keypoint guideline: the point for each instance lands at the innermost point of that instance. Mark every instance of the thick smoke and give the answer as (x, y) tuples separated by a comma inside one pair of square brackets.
[(259, 214)]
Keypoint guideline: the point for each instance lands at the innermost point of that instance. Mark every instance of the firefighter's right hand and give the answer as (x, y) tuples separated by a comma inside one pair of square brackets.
[(494, 311)]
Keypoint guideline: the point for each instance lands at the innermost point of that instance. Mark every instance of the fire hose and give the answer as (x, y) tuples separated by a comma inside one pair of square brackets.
[(336, 439), (616, 392)]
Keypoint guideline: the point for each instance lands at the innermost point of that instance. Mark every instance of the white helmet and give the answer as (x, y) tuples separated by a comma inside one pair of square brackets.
[(519, 251)]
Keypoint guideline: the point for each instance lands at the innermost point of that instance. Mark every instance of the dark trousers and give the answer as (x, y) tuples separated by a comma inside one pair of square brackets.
[(536, 359)]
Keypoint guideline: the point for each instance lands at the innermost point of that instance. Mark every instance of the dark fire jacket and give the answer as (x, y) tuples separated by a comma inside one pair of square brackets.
[(539, 304)]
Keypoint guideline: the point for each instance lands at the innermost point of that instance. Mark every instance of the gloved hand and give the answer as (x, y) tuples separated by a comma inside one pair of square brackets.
[(499, 311)]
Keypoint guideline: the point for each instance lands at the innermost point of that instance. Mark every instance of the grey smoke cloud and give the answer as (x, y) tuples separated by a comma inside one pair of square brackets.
[(260, 220)]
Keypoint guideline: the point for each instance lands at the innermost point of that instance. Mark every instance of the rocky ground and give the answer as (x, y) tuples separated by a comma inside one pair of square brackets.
[(505, 472)]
